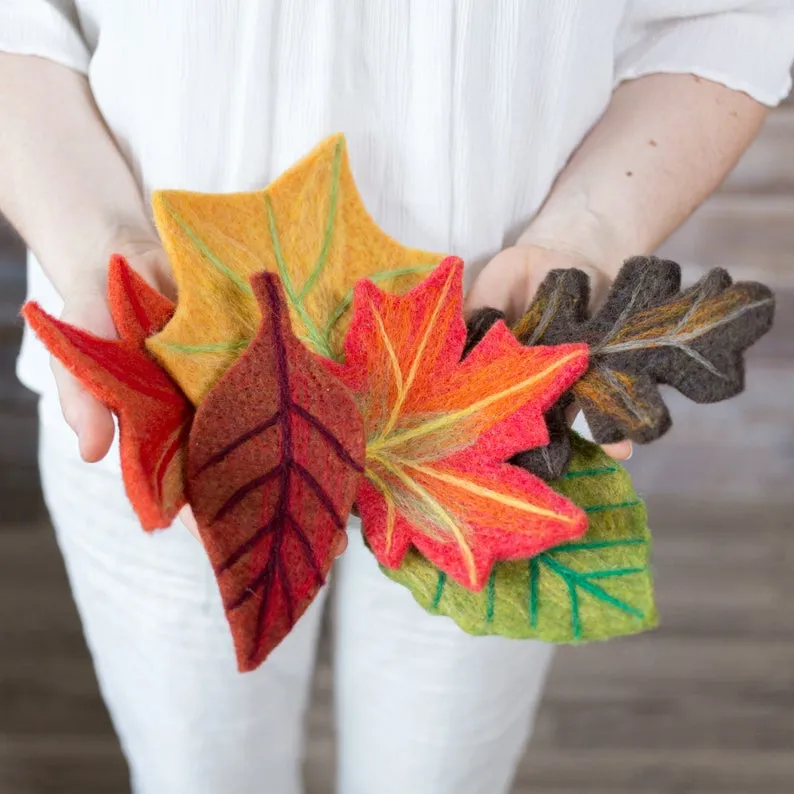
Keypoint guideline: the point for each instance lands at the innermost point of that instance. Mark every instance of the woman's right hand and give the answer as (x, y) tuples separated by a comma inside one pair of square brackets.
[(86, 306)]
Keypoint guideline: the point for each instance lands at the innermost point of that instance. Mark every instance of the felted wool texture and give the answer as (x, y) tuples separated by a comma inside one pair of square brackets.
[(649, 332), (478, 325), (138, 310), (276, 453), (310, 226), (595, 588), (153, 414), (550, 460), (439, 430)]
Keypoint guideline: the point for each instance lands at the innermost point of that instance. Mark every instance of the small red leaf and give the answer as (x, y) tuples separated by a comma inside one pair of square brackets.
[(138, 311), (275, 457), (154, 416)]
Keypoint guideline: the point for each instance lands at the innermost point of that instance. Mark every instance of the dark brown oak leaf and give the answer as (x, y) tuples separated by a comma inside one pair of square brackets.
[(649, 332)]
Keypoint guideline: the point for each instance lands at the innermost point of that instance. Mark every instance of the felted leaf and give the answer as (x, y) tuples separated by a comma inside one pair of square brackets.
[(649, 332), (550, 460), (594, 588), (439, 429), (309, 226), (276, 453), (154, 416)]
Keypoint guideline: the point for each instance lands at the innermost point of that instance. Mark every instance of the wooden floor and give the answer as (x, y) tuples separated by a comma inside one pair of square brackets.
[(703, 705)]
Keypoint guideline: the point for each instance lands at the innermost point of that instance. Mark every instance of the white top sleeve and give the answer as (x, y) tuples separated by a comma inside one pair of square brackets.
[(47, 28), (747, 46)]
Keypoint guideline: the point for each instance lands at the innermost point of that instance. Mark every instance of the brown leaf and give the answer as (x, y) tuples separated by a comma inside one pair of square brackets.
[(649, 332)]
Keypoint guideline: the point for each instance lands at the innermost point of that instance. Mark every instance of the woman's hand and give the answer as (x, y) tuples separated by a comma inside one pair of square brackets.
[(511, 279), (85, 306)]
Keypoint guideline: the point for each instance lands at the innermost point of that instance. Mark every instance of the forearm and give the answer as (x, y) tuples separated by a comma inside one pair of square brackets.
[(63, 182), (663, 145)]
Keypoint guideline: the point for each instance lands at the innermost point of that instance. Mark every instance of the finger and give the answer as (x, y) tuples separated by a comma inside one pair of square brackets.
[(153, 266), (621, 450), (340, 545), (87, 416), (189, 520), (504, 284), (91, 421)]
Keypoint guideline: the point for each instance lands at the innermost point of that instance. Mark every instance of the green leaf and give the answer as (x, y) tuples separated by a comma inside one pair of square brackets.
[(595, 588)]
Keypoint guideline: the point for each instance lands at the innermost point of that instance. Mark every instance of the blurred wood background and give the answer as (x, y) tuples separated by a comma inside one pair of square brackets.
[(704, 704)]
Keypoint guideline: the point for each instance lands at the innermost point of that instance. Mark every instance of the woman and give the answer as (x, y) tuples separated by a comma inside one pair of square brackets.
[(523, 136)]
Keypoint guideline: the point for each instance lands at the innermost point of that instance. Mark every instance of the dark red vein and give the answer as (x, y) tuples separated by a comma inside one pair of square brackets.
[(249, 544), (275, 547), (320, 493), (281, 362), (341, 452), (244, 490), (300, 536), (249, 591), (285, 587), (247, 436), (265, 580), (274, 564)]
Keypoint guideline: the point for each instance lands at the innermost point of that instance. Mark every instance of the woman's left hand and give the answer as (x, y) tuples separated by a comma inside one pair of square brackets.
[(511, 279)]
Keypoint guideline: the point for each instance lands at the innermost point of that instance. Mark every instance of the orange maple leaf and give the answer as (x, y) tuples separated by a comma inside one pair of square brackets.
[(439, 429)]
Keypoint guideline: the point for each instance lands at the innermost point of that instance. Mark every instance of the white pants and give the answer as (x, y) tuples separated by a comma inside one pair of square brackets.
[(421, 707)]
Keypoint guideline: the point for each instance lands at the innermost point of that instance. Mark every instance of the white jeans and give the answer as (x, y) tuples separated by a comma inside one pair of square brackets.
[(421, 707)]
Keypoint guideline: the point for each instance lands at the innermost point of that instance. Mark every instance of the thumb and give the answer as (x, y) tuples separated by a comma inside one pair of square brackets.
[(90, 419)]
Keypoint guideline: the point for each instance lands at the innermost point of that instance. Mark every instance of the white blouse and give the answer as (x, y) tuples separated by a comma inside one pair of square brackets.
[(458, 113)]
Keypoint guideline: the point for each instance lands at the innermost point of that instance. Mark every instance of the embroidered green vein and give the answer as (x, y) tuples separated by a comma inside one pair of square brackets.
[(318, 342), (490, 596), (442, 579), (574, 581), (576, 621), (582, 580), (208, 253), (570, 475), (599, 544), (329, 225), (534, 577), (211, 347), (613, 506), (314, 337)]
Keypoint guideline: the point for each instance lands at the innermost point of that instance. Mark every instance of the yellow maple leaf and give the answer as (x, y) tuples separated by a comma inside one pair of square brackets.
[(309, 226)]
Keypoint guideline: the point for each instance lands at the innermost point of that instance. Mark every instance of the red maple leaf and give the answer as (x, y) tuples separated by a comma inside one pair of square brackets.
[(153, 415), (276, 453), (439, 429)]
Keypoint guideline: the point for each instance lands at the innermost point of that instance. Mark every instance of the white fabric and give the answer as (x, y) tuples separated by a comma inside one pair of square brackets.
[(421, 706), (458, 113)]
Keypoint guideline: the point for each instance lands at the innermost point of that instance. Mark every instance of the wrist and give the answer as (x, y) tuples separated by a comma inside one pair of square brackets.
[(577, 230), (87, 272)]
